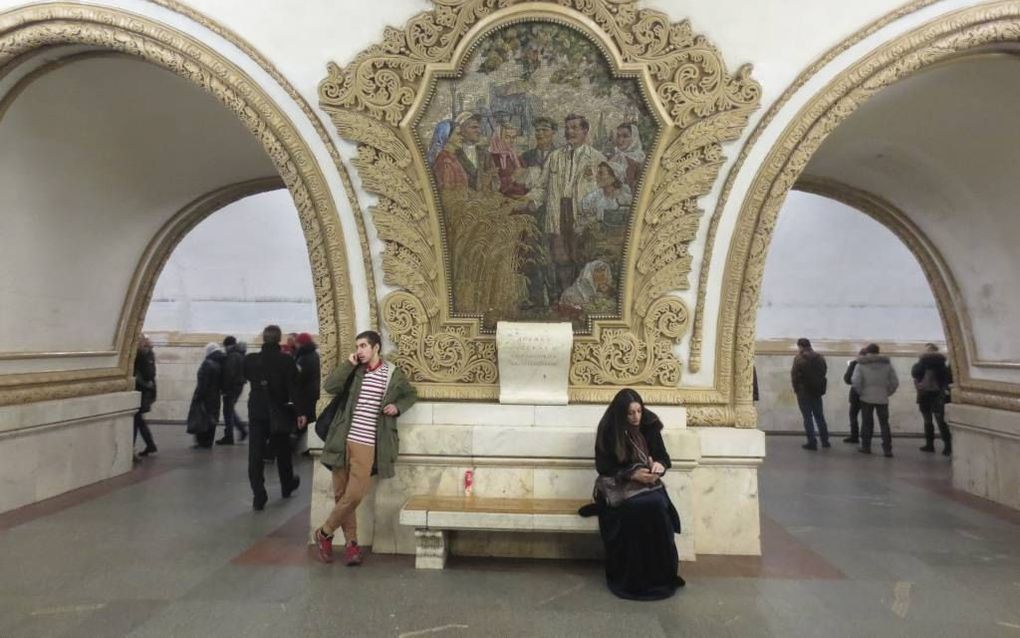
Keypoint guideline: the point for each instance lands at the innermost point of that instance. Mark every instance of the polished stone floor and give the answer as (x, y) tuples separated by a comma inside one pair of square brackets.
[(854, 546)]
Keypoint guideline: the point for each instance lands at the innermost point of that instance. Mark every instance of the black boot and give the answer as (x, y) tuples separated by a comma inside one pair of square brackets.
[(290, 489)]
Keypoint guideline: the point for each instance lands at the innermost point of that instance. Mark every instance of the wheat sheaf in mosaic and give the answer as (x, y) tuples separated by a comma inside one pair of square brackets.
[(536, 154)]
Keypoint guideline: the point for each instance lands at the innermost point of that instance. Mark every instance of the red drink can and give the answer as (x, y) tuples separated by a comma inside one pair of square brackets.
[(469, 482)]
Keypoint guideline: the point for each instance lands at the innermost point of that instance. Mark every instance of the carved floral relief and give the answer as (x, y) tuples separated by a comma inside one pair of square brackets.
[(539, 162)]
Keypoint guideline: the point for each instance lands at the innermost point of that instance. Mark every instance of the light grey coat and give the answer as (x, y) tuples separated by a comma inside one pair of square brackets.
[(874, 379)]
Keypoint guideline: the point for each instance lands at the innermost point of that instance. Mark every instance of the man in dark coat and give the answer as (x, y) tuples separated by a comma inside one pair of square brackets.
[(307, 360), (272, 415), (205, 402), (233, 385), (808, 378), (855, 401), (145, 382), (932, 378)]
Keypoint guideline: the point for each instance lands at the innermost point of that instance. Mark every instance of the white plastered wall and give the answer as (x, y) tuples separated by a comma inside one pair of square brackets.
[(95, 156), (940, 146), (243, 267)]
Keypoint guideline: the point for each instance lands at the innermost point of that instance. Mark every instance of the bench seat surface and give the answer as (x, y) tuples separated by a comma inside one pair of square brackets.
[(469, 512)]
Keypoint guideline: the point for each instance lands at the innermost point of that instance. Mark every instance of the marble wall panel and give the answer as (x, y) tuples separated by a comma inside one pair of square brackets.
[(725, 510), (52, 447), (986, 446)]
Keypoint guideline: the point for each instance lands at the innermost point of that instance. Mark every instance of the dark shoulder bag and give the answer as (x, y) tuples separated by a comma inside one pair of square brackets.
[(336, 404)]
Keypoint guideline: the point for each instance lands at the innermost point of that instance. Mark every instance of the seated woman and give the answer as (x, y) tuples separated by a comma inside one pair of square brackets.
[(637, 521)]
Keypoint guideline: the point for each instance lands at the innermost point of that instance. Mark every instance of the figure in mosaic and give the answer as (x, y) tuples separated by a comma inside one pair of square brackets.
[(535, 188)]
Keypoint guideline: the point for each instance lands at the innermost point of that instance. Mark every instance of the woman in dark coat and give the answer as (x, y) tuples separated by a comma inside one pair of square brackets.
[(641, 556), (205, 402)]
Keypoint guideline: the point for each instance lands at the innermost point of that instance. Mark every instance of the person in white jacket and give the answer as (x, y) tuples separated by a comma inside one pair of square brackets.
[(875, 381), (568, 175)]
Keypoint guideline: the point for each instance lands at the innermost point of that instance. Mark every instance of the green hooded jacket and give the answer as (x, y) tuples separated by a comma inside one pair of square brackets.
[(399, 392)]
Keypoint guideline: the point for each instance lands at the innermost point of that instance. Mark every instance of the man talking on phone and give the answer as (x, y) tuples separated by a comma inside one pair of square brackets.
[(362, 438)]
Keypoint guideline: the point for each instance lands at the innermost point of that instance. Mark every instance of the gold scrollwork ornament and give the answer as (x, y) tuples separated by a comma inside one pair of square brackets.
[(705, 106)]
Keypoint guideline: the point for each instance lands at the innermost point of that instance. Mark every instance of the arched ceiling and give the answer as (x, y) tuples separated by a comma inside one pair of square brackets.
[(95, 156), (941, 146)]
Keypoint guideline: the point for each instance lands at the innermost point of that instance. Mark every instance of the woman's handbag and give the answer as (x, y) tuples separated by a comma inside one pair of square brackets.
[(614, 492)]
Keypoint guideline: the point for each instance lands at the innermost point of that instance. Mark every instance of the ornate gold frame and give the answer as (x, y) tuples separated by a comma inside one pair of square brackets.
[(939, 40), (374, 101), (26, 30)]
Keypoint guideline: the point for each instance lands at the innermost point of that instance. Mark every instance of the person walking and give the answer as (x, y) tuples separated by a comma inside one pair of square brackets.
[(932, 378), (272, 416), (362, 439), (875, 380), (145, 382), (855, 402), (233, 386), (205, 401), (809, 382)]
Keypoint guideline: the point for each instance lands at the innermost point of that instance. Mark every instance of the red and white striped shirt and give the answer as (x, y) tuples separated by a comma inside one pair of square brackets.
[(366, 411)]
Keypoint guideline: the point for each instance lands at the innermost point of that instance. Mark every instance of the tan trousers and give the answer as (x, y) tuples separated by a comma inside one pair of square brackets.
[(350, 484)]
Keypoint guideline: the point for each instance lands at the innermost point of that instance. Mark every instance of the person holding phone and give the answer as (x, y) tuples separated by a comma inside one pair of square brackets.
[(637, 520), (362, 439)]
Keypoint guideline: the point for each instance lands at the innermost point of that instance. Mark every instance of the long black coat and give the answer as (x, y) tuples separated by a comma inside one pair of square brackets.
[(848, 379), (145, 378), (641, 558), (308, 381), (210, 384), (607, 464), (273, 377)]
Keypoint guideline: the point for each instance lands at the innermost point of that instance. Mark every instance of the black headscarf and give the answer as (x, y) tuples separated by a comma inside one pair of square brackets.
[(612, 433)]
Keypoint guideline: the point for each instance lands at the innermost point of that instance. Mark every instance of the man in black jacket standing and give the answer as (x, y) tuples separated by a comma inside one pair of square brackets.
[(233, 385), (272, 415), (855, 401), (808, 379), (309, 380), (145, 382), (932, 377)]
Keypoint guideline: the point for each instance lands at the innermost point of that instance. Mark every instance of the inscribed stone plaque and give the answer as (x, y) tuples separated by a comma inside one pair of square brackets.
[(534, 362)]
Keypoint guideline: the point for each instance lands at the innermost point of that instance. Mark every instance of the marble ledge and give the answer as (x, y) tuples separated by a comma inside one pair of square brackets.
[(47, 413), (522, 442), (495, 414), (989, 421)]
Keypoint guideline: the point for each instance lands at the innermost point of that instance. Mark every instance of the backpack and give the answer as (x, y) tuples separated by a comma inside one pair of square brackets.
[(929, 382)]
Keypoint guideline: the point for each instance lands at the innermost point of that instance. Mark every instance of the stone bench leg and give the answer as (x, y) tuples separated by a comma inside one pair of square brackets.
[(430, 549)]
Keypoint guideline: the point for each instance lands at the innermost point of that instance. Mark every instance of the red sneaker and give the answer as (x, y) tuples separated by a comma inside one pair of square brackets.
[(352, 554), (324, 545)]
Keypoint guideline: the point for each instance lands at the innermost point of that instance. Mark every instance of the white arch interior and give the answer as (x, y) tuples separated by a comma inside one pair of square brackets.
[(834, 273), (243, 267), (95, 156), (841, 279), (941, 146)]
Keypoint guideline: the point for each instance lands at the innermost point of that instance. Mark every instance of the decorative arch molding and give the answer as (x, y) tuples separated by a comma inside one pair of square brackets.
[(33, 28), (316, 121), (700, 106), (968, 29)]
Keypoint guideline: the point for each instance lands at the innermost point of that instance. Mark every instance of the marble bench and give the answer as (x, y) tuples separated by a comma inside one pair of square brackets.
[(433, 516)]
